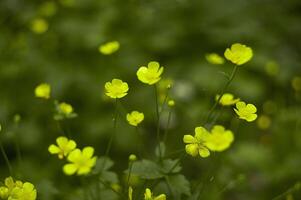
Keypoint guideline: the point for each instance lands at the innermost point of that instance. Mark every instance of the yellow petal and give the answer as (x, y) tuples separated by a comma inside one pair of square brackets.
[(204, 152), (53, 149), (69, 169), (192, 149)]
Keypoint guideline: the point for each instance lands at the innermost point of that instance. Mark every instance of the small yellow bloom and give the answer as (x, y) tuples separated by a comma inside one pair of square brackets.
[(43, 91), (171, 103), (109, 47), (81, 162), (263, 122), (150, 74), (39, 26), (63, 147), (219, 139), (134, 118), (65, 108), (25, 192), (227, 99), (215, 59), (3, 192), (238, 54), (196, 145), (116, 89), (132, 158), (246, 111), (149, 196)]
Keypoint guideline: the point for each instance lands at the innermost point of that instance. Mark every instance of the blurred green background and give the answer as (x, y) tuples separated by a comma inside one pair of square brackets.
[(264, 160)]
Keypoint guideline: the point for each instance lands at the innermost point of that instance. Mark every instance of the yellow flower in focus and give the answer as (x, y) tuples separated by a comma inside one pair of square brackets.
[(81, 161), (134, 118), (238, 54), (116, 89), (26, 192), (39, 26), (109, 47), (150, 74), (196, 145), (263, 122), (219, 139), (63, 147), (227, 99), (3, 192), (43, 91), (149, 196), (246, 111), (215, 59), (65, 108)]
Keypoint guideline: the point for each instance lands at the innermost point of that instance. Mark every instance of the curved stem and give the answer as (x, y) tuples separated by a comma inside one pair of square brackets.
[(10, 169)]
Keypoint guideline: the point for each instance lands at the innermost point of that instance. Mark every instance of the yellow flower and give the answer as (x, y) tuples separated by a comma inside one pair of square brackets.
[(81, 161), (3, 192), (43, 91), (227, 99), (263, 122), (171, 103), (26, 192), (130, 193), (39, 26), (132, 158), (116, 89), (219, 139), (150, 74), (215, 59), (197, 144), (149, 196), (63, 147), (65, 108), (134, 118), (246, 111), (238, 54), (109, 47)]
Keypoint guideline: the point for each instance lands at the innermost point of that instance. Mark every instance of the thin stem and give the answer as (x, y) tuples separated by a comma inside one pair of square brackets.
[(17, 145), (168, 185), (109, 187), (130, 173), (167, 126), (158, 122), (10, 169), (293, 189)]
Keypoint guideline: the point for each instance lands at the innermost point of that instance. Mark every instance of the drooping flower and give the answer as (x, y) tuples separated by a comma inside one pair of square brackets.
[(43, 91), (81, 162), (215, 59), (246, 111), (116, 89), (39, 26), (196, 145), (220, 139), (149, 196), (63, 147), (150, 74), (238, 54), (135, 118), (227, 99), (26, 192), (109, 47)]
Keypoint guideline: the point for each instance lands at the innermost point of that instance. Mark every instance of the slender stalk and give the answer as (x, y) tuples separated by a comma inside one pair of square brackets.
[(291, 190), (167, 126), (10, 169), (158, 122), (109, 187), (130, 173)]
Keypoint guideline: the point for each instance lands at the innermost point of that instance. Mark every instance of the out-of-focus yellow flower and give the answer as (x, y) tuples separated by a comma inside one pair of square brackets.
[(43, 91), (296, 83), (48, 9), (149, 196), (150, 74), (81, 161), (39, 26), (130, 193), (219, 139), (196, 145), (263, 122), (65, 108), (63, 147), (171, 103), (227, 99), (109, 47), (3, 192), (26, 192), (271, 68), (134, 118), (246, 111), (116, 89), (132, 158), (238, 54), (215, 59)]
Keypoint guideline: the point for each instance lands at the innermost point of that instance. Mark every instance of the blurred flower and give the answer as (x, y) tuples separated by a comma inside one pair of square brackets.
[(64, 110), (48, 9), (197, 144), (132, 158), (130, 193), (215, 59), (17, 118), (227, 99), (171, 103), (263, 122), (149, 196), (150, 74), (63, 147), (271, 68), (246, 111), (269, 107), (43, 91), (81, 161), (134, 118), (238, 54), (39, 26), (296, 83), (219, 139), (25, 192), (109, 47), (116, 89), (3, 192)]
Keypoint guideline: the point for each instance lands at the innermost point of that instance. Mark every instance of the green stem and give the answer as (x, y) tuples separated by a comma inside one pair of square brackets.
[(291, 190), (130, 173), (109, 187), (158, 122), (10, 169), (167, 126)]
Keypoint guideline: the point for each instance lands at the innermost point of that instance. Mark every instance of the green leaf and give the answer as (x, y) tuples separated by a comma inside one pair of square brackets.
[(179, 185), (171, 166), (147, 169), (102, 163)]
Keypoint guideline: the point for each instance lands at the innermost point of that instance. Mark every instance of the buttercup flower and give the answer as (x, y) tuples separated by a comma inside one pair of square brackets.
[(63, 147), (132, 158), (238, 54), (227, 99), (43, 91), (150, 74), (116, 89), (246, 111), (39, 26), (3, 192), (149, 196), (215, 59), (109, 47), (134, 118), (81, 161), (65, 108), (197, 144), (171, 103), (25, 192), (219, 139)]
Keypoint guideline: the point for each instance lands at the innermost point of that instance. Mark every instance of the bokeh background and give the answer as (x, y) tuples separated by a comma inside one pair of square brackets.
[(62, 50)]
